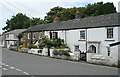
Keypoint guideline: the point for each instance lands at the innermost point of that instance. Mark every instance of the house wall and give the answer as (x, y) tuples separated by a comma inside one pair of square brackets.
[(100, 34), (119, 45), (10, 39), (72, 38), (28, 40)]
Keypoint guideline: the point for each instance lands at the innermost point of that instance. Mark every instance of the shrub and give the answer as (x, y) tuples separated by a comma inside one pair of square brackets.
[(61, 46), (60, 52), (57, 42), (55, 52), (66, 53), (32, 46)]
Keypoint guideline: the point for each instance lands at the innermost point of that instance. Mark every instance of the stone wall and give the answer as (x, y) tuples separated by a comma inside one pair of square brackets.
[(100, 59)]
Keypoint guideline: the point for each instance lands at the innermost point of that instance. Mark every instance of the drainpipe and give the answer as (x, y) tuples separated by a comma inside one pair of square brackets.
[(86, 39), (31, 38), (86, 44), (65, 38)]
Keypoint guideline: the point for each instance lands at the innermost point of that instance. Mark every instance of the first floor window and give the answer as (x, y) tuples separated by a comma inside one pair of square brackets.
[(40, 35), (109, 33), (53, 35), (33, 35), (28, 35), (82, 34)]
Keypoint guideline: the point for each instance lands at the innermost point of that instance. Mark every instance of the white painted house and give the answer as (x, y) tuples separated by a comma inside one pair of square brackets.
[(99, 34), (10, 38)]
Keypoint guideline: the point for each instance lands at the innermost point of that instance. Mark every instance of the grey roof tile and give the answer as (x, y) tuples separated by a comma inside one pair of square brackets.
[(89, 22)]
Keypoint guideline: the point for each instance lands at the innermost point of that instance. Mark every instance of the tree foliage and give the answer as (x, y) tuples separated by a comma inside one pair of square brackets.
[(21, 21), (95, 9)]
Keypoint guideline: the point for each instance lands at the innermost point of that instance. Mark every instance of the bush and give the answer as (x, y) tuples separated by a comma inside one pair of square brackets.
[(61, 52), (32, 46), (66, 53), (61, 46), (55, 52), (57, 42)]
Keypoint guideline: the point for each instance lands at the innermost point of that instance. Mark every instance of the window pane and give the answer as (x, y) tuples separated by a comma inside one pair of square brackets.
[(110, 33), (82, 34)]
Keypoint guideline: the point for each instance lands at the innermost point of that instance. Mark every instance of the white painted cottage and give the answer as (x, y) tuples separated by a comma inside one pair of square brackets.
[(10, 38), (99, 35)]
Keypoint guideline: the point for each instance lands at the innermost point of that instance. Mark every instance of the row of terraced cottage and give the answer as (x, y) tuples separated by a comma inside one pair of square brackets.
[(98, 37)]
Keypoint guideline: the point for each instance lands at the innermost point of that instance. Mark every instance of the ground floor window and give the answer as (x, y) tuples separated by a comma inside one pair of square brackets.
[(76, 47)]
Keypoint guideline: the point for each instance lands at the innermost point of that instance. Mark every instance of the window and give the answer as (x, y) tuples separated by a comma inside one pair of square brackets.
[(82, 34), (28, 35), (76, 47), (33, 35), (53, 35), (7, 36), (109, 33), (40, 35)]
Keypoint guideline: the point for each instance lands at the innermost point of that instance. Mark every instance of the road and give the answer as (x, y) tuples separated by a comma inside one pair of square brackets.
[(14, 63)]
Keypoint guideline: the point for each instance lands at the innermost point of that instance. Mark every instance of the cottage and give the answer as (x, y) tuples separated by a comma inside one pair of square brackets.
[(10, 38), (99, 35)]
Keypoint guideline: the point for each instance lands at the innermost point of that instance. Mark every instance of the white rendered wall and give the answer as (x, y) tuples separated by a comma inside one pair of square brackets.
[(119, 40), (93, 34), (100, 34)]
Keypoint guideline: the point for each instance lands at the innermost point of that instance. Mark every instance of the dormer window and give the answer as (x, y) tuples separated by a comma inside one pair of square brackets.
[(109, 33)]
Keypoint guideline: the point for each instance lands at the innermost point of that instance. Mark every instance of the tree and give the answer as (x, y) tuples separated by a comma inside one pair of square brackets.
[(65, 14), (99, 8), (20, 37), (36, 21), (20, 21), (52, 13)]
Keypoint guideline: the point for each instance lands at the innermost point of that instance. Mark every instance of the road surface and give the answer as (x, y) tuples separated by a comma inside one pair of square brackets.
[(14, 63)]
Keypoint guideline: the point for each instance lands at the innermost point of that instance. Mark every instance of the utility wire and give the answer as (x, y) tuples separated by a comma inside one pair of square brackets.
[(17, 8), (7, 8)]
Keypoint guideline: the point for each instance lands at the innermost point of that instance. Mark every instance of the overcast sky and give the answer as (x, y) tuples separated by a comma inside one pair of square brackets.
[(38, 8)]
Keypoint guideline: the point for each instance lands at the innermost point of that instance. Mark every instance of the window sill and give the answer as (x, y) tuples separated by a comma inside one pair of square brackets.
[(82, 40), (109, 40)]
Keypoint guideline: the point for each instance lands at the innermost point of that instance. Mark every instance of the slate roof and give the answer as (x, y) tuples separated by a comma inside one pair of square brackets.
[(16, 31), (89, 22)]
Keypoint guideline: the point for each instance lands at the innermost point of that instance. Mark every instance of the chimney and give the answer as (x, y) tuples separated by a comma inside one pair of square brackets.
[(56, 19), (78, 14)]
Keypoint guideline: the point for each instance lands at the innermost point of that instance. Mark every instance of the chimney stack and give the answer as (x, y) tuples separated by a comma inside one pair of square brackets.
[(78, 14), (56, 19)]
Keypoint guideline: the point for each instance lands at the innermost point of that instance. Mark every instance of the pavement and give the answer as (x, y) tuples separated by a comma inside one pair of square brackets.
[(15, 63)]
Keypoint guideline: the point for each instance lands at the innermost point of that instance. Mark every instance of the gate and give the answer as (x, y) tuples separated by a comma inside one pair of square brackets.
[(83, 56)]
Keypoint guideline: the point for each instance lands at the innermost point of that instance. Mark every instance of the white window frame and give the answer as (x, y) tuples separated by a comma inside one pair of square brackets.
[(76, 47), (28, 35), (110, 35), (81, 35), (33, 35), (40, 35)]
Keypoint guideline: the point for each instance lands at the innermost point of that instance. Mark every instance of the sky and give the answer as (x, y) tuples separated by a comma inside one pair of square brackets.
[(38, 8)]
